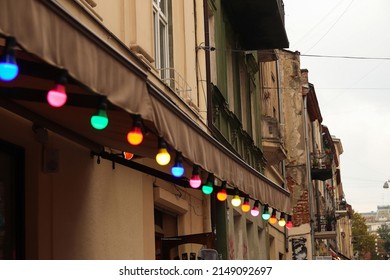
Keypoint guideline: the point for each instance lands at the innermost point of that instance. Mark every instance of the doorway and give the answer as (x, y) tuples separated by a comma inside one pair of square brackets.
[(12, 231)]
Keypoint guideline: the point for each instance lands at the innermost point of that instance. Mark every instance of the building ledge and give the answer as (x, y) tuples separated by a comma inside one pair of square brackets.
[(325, 235)]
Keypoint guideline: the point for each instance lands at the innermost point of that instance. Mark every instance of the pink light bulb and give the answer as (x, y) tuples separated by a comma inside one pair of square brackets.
[(195, 181), (57, 97)]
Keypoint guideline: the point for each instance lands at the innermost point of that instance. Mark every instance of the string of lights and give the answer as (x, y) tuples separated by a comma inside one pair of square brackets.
[(57, 97)]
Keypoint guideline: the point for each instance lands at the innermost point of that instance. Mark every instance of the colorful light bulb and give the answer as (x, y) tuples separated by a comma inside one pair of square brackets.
[(163, 157), (8, 66), (222, 195), (135, 136), (255, 210), (177, 169), (266, 215), (208, 187), (282, 221), (99, 120), (57, 97), (195, 181), (272, 220), (236, 200), (245, 207), (289, 223)]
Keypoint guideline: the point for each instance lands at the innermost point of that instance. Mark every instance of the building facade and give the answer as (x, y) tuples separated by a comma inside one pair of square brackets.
[(76, 189), (312, 171)]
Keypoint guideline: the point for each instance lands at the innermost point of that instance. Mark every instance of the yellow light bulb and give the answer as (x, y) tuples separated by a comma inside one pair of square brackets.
[(163, 157), (236, 201), (282, 222)]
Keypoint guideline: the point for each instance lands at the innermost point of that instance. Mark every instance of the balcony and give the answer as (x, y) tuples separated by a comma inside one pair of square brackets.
[(260, 23), (343, 209), (228, 129), (326, 227), (273, 148), (176, 83), (321, 166)]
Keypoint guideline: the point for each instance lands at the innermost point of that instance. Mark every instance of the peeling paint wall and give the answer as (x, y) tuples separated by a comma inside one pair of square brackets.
[(293, 109)]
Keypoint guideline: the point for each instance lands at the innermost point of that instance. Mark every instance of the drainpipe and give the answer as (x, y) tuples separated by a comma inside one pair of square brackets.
[(308, 171), (281, 119), (209, 105), (281, 125), (317, 196)]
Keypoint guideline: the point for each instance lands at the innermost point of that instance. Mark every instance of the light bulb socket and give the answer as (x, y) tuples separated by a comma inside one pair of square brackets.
[(178, 159), (162, 144), (210, 179), (102, 103), (9, 46), (62, 77), (137, 122), (195, 170)]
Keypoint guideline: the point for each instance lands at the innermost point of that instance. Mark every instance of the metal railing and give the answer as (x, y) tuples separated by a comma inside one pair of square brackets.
[(176, 83)]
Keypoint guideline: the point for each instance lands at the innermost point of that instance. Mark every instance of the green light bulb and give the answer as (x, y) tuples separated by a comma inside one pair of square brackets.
[(99, 121), (207, 188)]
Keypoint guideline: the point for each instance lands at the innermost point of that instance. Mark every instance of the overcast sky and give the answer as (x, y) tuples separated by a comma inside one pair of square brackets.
[(353, 94)]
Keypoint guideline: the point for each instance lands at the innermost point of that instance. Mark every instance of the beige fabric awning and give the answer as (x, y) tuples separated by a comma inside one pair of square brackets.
[(96, 63)]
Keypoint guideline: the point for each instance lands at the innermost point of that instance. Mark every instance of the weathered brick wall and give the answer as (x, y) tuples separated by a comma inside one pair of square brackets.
[(293, 109)]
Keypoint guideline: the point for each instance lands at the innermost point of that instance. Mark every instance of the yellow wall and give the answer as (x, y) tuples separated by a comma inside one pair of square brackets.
[(131, 21), (247, 235), (88, 210)]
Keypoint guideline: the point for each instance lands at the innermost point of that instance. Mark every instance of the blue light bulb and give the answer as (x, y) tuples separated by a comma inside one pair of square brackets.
[(8, 68), (177, 171)]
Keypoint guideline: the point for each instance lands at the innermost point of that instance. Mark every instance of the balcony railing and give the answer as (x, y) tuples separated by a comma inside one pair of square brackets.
[(228, 129), (176, 83), (321, 166), (326, 227)]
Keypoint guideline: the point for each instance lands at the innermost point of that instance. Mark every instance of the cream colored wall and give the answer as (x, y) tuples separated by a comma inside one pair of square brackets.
[(300, 232), (85, 210), (131, 21), (246, 235), (277, 246), (102, 213)]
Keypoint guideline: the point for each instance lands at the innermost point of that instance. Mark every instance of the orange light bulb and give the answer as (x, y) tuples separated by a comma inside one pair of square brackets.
[(135, 136)]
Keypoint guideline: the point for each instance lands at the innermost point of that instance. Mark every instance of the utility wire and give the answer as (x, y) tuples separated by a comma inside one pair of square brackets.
[(318, 23), (338, 19), (346, 57), (300, 54)]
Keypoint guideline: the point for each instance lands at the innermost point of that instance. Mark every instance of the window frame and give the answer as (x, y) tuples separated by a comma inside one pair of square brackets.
[(161, 20)]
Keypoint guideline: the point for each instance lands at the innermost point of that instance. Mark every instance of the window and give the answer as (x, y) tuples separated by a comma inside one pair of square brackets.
[(161, 22)]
